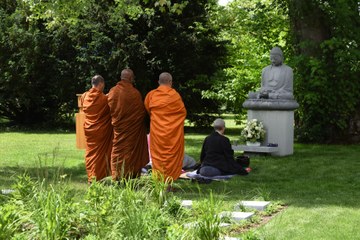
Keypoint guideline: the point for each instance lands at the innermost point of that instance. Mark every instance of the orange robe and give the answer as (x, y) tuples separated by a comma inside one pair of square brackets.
[(98, 134), (130, 149), (167, 115)]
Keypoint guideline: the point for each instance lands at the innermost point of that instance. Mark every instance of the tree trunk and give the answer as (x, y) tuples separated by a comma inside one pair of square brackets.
[(310, 26)]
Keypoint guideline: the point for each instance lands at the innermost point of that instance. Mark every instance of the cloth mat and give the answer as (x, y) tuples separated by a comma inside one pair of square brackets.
[(194, 175)]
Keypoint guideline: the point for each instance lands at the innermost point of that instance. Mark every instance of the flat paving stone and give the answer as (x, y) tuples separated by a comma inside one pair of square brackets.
[(7, 191), (258, 205), (189, 225), (230, 238), (237, 216), (186, 203), (225, 224), (193, 224)]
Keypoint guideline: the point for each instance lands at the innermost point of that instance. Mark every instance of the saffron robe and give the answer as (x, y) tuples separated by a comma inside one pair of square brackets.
[(167, 115), (98, 134), (130, 149)]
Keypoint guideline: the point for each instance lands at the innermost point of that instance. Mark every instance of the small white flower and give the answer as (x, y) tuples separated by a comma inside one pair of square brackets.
[(253, 131)]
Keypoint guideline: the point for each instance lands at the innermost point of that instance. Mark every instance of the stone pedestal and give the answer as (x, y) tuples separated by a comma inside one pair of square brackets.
[(279, 127), (278, 119)]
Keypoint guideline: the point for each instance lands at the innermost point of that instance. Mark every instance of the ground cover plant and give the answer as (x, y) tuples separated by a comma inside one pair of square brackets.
[(319, 186)]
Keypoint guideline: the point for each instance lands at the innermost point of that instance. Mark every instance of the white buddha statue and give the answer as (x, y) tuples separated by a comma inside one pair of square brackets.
[(276, 79)]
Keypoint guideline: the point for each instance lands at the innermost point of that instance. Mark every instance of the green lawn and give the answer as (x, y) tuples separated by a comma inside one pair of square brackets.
[(31, 152), (320, 184)]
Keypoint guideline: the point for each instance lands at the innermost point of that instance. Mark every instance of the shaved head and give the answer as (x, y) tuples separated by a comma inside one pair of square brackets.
[(165, 78), (96, 80), (127, 75)]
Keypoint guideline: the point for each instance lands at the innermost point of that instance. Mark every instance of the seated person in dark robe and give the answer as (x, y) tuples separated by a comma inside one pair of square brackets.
[(217, 156)]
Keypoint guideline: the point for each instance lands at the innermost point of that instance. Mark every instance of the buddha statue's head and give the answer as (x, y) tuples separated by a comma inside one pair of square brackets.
[(276, 56)]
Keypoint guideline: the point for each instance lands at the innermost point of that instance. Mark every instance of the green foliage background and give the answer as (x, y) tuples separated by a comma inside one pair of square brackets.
[(50, 50), (250, 29), (327, 66), (320, 43)]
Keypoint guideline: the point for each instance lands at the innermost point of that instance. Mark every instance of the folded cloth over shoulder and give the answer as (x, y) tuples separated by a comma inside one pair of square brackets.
[(194, 175)]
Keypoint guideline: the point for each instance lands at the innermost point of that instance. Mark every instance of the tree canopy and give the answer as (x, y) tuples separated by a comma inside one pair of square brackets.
[(50, 49), (320, 42), (327, 65), (250, 29)]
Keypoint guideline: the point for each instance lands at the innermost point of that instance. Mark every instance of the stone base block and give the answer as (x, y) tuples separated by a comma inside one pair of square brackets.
[(251, 149), (279, 127)]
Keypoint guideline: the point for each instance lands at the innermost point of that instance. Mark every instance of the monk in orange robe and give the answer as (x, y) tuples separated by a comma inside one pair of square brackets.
[(98, 130), (167, 115), (130, 150)]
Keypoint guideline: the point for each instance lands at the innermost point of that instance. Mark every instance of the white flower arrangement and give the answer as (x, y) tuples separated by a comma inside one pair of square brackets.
[(254, 131)]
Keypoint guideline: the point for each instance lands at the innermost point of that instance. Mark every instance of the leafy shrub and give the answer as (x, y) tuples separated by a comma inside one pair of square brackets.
[(9, 220)]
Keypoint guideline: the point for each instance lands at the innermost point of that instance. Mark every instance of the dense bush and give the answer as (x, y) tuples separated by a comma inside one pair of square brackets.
[(50, 50), (327, 67)]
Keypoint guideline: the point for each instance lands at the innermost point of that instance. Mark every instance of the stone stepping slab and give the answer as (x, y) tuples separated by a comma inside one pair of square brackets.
[(237, 216), (7, 191), (193, 224), (258, 205), (230, 238), (186, 203), (225, 224)]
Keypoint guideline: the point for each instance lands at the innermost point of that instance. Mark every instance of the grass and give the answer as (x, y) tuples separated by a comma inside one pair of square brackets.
[(320, 184), (38, 153)]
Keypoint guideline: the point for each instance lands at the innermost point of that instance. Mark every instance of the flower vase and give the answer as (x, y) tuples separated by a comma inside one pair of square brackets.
[(253, 144)]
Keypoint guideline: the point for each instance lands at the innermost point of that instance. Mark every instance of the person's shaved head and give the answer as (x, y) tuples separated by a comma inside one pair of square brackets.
[(96, 80), (219, 124), (127, 75), (165, 78)]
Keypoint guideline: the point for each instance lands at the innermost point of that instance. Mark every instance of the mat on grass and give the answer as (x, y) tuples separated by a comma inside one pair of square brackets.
[(194, 175)]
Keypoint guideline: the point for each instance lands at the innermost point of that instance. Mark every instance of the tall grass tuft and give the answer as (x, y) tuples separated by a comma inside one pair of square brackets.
[(48, 168), (124, 211), (9, 220), (45, 211), (54, 213), (261, 194), (207, 226), (159, 186)]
